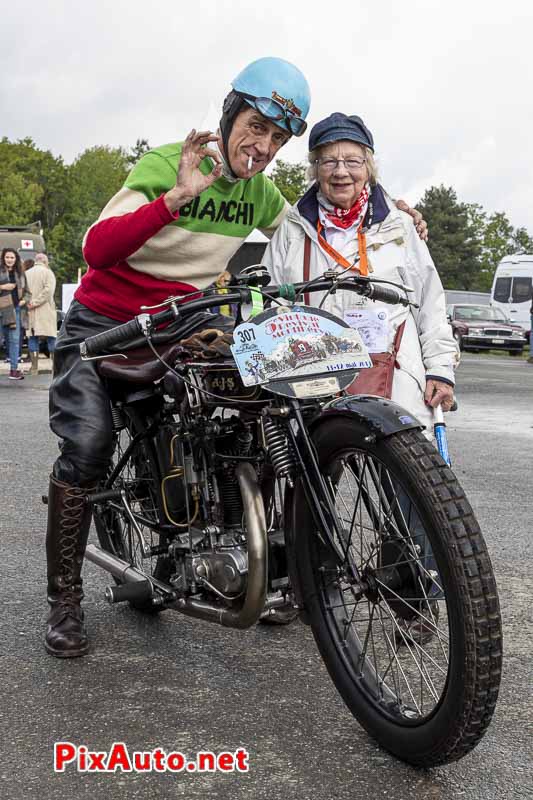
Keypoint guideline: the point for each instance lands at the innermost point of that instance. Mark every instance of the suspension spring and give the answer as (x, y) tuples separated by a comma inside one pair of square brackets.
[(279, 448), (232, 499), (119, 423)]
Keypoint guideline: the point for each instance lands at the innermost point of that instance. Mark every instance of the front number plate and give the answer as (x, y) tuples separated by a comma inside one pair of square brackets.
[(287, 343)]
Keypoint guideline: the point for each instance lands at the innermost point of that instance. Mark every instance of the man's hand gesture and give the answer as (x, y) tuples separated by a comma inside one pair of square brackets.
[(190, 181), (418, 220)]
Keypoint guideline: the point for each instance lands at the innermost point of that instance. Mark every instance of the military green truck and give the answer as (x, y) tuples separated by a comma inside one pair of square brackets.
[(27, 240)]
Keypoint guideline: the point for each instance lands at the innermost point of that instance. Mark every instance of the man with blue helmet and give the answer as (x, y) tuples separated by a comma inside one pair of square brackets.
[(183, 212)]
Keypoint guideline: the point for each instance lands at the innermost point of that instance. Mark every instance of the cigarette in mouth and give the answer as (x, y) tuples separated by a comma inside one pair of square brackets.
[(250, 162)]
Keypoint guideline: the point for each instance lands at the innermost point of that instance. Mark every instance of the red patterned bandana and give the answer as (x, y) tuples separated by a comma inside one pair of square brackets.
[(344, 218)]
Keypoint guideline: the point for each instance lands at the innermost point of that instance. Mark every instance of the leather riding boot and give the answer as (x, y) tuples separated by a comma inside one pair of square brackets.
[(34, 358), (69, 519)]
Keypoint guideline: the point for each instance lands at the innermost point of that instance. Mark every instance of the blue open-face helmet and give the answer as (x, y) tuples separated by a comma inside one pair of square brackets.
[(278, 90)]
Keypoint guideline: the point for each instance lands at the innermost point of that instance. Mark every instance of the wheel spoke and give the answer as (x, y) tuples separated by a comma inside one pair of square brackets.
[(136, 480), (397, 639), (410, 640)]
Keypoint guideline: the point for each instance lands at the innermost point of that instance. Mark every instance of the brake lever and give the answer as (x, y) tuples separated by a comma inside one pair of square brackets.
[(100, 358)]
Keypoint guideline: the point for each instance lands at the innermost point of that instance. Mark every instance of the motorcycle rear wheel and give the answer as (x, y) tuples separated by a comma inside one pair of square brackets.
[(416, 655), (140, 478)]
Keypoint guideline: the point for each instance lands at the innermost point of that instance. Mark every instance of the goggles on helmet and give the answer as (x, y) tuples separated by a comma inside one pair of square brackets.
[(278, 111)]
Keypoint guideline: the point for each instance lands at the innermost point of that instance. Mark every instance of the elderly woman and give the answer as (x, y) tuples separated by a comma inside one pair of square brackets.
[(42, 318), (350, 223)]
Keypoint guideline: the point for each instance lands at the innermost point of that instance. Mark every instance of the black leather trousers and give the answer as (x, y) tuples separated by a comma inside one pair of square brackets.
[(80, 411), (80, 408)]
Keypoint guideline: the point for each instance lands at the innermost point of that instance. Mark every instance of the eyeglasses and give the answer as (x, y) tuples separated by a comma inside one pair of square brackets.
[(331, 164), (275, 111)]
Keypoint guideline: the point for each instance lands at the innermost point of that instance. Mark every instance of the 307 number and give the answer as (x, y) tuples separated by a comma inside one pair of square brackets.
[(247, 335)]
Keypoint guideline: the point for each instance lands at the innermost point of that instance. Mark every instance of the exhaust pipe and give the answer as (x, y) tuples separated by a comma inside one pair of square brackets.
[(118, 568), (134, 585), (254, 601)]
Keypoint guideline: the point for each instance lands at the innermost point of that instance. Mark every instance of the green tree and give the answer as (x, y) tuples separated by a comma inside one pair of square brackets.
[(21, 195), (497, 238), (522, 241), (497, 242), (290, 179), (94, 177), (138, 150), (453, 236), (35, 168), (20, 199)]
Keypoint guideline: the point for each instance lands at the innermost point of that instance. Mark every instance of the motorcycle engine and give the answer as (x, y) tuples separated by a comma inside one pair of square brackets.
[(226, 571)]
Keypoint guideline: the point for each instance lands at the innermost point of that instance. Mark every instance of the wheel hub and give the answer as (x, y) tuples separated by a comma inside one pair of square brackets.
[(397, 576)]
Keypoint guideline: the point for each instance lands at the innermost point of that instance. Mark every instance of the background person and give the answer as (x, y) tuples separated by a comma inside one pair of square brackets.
[(26, 265), (42, 314), (14, 295), (347, 215)]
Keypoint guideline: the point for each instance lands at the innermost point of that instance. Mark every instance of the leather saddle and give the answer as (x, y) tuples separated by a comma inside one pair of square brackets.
[(141, 367)]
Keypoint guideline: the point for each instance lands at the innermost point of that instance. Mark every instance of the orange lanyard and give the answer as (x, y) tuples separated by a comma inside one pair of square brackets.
[(362, 267)]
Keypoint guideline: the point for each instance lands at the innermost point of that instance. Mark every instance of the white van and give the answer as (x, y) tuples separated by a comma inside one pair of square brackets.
[(511, 289)]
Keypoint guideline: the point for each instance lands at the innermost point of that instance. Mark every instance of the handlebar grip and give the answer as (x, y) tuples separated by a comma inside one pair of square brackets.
[(386, 294), (100, 342)]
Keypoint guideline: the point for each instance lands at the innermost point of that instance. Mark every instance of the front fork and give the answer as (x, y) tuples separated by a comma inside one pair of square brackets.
[(319, 498), (317, 490)]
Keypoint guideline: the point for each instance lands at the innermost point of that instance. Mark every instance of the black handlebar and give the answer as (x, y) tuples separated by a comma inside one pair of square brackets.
[(386, 294), (107, 339), (143, 323)]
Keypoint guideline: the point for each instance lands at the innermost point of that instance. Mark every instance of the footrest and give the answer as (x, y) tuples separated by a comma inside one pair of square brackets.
[(103, 497), (138, 592)]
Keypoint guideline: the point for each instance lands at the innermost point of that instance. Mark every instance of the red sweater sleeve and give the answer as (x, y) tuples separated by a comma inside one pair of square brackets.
[(114, 239)]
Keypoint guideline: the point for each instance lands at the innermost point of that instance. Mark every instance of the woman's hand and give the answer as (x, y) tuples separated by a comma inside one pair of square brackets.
[(438, 393), (419, 221), (7, 287), (190, 181)]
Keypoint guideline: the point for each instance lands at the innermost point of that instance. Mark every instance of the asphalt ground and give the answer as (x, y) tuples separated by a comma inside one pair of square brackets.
[(180, 684)]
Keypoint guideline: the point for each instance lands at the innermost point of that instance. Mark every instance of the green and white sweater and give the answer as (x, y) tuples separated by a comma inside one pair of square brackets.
[(139, 253)]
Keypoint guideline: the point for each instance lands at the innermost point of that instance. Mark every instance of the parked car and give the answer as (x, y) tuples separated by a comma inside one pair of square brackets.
[(477, 327)]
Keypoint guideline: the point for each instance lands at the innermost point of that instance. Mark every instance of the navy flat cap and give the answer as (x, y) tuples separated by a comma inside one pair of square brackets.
[(337, 127)]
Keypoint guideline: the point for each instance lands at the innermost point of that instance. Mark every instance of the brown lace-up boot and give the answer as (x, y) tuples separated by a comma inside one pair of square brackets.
[(69, 519)]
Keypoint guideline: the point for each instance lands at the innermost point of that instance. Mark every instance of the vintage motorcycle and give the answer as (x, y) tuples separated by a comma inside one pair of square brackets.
[(250, 486)]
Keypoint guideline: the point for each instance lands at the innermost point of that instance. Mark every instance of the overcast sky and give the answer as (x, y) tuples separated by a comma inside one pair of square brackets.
[(445, 87)]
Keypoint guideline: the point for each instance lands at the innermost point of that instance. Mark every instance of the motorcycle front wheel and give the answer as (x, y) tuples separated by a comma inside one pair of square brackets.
[(403, 603)]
